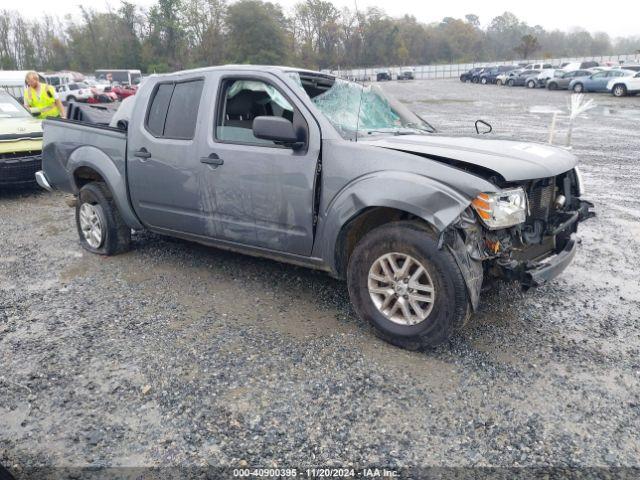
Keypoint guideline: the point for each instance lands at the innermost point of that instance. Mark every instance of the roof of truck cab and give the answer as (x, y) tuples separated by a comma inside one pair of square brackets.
[(271, 68)]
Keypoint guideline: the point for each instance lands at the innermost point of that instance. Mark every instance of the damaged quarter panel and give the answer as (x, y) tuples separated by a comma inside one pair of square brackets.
[(357, 176)]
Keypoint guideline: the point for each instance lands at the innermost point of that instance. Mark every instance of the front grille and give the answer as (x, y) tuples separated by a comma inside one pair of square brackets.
[(540, 199), (19, 168)]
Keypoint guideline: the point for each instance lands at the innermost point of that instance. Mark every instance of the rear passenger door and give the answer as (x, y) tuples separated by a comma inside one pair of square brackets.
[(164, 171)]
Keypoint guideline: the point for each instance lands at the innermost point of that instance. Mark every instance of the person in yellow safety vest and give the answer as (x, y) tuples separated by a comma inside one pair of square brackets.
[(41, 99)]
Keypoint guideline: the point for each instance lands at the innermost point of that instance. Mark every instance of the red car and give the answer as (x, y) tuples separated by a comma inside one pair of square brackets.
[(124, 91)]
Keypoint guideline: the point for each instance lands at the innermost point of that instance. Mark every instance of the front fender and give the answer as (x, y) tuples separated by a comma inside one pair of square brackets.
[(436, 203), (115, 178)]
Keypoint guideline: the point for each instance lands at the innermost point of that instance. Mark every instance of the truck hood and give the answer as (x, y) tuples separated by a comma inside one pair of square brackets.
[(510, 159), (20, 134)]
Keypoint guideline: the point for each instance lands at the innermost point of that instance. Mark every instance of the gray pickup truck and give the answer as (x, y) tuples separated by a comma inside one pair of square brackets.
[(304, 168)]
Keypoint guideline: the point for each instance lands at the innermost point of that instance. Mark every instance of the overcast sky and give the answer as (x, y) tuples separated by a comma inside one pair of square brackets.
[(551, 14)]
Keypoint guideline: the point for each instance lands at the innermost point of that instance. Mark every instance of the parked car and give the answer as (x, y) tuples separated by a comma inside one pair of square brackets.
[(635, 68), (598, 81), (406, 74), (543, 77), (520, 79), (74, 92), (230, 157), (573, 66), (491, 74), (504, 77), (383, 75), (561, 82), (122, 77), (537, 66), (469, 75), (20, 143), (622, 86), (123, 91)]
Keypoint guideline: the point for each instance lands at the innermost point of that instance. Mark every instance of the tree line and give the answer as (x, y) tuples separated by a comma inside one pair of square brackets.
[(178, 34)]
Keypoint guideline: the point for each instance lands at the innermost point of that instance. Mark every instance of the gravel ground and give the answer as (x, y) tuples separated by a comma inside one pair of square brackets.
[(177, 354)]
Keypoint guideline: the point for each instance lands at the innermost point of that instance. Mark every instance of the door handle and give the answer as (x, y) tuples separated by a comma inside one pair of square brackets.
[(142, 153), (214, 160)]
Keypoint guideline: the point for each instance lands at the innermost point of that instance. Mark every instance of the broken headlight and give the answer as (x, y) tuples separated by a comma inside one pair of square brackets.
[(501, 209)]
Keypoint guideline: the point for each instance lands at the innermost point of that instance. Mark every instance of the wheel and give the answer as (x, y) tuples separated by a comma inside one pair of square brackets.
[(531, 84), (552, 86), (511, 82), (619, 90), (100, 226), (483, 80), (71, 98), (474, 79), (411, 292), (578, 88), (499, 82)]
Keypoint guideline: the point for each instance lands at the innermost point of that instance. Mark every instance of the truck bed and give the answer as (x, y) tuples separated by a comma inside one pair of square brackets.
[(69, 143)]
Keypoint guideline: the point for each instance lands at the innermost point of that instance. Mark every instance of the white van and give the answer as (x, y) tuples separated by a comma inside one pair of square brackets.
[(12, 81)]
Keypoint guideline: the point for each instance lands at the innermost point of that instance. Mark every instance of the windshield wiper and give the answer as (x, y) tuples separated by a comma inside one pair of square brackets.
[(394, 132)]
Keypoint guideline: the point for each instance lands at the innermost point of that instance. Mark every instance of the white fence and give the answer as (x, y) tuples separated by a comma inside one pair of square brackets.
[(427, 72)]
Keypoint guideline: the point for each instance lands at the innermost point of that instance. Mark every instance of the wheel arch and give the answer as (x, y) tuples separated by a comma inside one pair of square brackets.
[(89, 163), (378, 199)]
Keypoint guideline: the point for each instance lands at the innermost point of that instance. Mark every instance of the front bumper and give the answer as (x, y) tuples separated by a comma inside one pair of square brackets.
[(19, 170), (550, 267)]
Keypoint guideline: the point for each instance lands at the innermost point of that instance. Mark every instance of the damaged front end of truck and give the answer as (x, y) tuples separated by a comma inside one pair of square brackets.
[(526, 232)]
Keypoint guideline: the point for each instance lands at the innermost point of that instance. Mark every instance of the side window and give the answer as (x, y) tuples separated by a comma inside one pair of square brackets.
[(158, 109), (182, 113), (241, 101), (600, 75), (173, 112)]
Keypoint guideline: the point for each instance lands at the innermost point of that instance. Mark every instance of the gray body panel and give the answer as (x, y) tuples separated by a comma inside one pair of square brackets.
[(262, 200)]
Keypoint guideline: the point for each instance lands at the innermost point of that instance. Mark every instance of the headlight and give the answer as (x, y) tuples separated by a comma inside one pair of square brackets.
[(502, 209), (579, 181)]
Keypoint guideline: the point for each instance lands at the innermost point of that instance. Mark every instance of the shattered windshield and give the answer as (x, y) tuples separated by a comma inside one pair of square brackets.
[(357, 110)]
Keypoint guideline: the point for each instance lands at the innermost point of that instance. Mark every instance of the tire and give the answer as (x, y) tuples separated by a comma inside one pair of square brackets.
[(578, 88), (95, 206), (552, 86), (450, 306), (499, 82), (531, 84), (619, 90), (71, 98), (475, 79), (483, 80), (511, 82)]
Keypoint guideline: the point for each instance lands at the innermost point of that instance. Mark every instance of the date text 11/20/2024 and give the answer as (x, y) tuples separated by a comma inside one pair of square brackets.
[(316, 472)]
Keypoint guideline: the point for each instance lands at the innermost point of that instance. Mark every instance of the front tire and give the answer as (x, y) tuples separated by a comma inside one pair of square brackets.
[(619, 90), (531, 84), (511, 83), (578, 88), (411, 292), (499, 82), (483, 81), (99, 223), (552, 86)]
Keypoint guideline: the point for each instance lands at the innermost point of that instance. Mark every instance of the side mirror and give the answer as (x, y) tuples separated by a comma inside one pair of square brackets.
[(277, 129)]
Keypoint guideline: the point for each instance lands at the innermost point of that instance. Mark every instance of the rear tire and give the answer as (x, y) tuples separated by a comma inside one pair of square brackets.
[(99, 223), (619, 90), (511, 82), (415, 243), (71, 98), (499, 83), (483, 80), (552, 86), (531, 84)]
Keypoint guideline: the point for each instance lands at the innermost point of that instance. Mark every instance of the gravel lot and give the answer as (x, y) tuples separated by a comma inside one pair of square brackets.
[(177, 354)]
